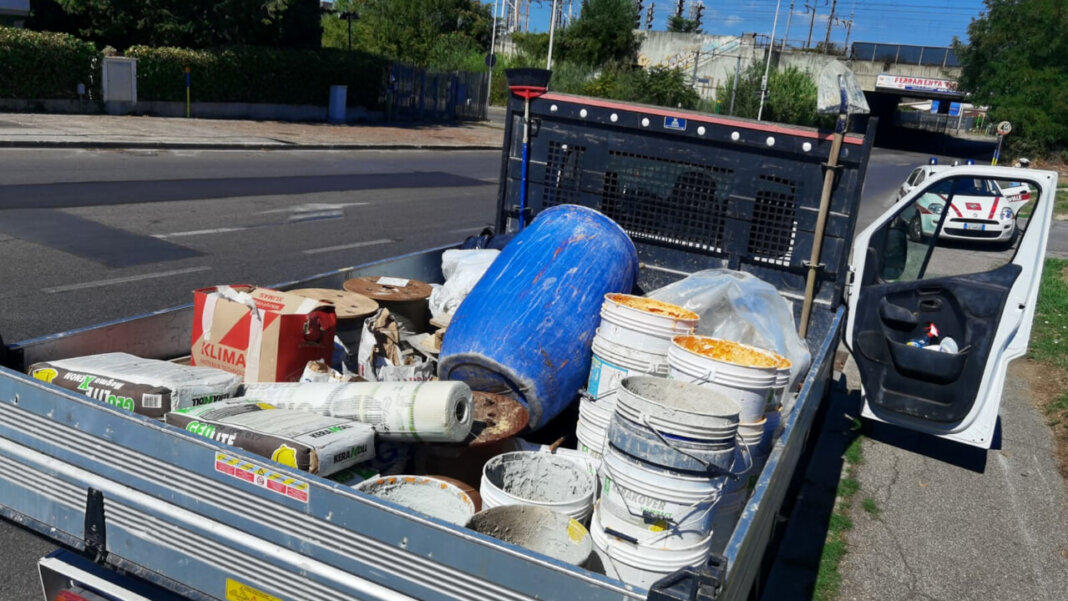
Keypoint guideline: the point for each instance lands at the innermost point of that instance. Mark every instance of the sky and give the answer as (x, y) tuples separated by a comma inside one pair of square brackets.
[(918, 22)]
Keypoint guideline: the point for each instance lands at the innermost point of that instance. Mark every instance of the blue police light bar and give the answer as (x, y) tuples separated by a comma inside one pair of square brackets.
[(933, 161)]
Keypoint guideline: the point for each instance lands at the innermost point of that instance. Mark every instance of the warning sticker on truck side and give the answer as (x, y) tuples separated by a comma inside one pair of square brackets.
[(277, 482), (236, 591)]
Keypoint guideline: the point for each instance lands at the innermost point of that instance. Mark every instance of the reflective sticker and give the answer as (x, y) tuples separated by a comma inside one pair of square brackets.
[(236, 591)]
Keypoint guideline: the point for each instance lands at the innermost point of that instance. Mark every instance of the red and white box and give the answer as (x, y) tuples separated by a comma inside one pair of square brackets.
[(260, 334)]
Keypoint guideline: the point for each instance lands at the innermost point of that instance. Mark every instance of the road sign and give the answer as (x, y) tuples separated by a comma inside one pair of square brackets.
[(491, 60), (935, 106), (954, 109), (1004, 128)]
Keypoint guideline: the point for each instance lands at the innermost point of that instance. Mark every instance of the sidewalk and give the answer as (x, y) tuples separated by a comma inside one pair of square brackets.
[(933, 520), (32, 130)]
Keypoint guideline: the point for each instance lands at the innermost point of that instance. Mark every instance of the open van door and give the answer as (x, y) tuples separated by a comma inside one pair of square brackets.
[(936, 315)]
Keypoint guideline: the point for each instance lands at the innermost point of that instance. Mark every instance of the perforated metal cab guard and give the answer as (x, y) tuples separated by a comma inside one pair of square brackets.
[(693, 191)]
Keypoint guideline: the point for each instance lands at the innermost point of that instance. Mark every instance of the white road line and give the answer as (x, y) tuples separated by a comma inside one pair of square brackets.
[(315, 206), (124, 280), (315, 251), (473, 229), (218, 230)]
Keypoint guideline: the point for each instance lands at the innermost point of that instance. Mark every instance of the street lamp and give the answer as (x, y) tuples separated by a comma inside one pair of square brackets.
[(349, 15), (767, 67)]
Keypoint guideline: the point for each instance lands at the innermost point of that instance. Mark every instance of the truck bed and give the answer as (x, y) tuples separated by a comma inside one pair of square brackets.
[(171, 516)]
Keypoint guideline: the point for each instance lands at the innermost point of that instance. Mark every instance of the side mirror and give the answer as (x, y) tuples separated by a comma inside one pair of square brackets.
[(895, 254)]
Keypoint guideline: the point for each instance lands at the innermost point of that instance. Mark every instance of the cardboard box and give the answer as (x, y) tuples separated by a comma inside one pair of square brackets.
[(307, 441), (260, 334)]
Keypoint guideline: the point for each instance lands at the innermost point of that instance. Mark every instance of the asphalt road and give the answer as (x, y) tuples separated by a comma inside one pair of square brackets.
[(90, 236)]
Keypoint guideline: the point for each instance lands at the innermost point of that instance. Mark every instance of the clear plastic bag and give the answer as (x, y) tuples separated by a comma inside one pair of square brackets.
[(738, 306), (462, 270)]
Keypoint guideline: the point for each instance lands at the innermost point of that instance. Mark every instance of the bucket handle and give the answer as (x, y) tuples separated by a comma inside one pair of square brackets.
[(712, 498), (713, 470)]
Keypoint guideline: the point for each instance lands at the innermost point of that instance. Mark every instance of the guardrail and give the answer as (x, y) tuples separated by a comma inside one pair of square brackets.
[(415, 93)]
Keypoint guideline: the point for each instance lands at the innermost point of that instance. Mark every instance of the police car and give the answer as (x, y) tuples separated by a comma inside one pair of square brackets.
[(975, 209)]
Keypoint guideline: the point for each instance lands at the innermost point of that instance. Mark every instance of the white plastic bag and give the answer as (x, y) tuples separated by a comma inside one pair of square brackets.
[(462, 270), (738, 306)]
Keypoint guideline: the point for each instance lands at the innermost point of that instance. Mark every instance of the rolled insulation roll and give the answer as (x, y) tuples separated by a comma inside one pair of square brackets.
[(403, 411)]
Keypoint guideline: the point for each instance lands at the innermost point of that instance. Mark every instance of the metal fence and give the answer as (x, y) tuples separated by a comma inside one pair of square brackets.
[(932, 56), (415, 93)]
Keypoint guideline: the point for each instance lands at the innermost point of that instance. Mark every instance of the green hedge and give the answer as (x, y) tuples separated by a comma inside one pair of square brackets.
[(259, 74), (46, 65)]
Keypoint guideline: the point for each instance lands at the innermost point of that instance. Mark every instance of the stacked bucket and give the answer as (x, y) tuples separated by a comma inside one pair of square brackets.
[(634, 338), (671, 446), (756, 379)]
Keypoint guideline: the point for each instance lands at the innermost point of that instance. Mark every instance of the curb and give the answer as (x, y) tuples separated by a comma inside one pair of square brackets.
[(264, 146)]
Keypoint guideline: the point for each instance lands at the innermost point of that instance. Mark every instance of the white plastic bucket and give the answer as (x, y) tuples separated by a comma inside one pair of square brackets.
[(538, 529), (692, 359), (773, 421), (782, 381), (637, 491), (643, 323), (642, 566), (665, 452), (677, 408), (727, 511), (592, 427), (656, 534), (539, 479), (612, 362), (431, 496)]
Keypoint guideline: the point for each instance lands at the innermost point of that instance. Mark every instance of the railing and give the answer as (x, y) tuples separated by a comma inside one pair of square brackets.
[(415, 93), (936, 122), (931, 56)]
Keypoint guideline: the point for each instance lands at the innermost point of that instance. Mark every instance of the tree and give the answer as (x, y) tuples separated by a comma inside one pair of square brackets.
[(603, 33), (1016, 62), (185, 23), (679, 24), (791, 95), (417, 31)]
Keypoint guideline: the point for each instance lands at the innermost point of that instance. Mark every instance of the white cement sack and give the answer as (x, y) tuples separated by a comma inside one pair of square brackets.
[(146, 386), (307, 441)]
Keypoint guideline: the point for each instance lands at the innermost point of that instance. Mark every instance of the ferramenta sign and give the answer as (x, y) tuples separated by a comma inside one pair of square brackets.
[(916, 84)]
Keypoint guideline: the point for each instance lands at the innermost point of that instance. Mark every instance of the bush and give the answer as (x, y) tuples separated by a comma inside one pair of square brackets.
[(46, 65), (259, 74)]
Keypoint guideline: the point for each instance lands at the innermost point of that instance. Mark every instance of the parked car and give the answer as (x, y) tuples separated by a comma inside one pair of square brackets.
[(978, 209)]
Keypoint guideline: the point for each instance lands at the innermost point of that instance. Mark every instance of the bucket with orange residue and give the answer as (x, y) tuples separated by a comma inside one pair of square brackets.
[(744, 373)]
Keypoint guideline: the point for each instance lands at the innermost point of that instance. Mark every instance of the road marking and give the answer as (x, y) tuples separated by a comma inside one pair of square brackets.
[(124, 280), (315, 251), (315, 206), (218, 230)]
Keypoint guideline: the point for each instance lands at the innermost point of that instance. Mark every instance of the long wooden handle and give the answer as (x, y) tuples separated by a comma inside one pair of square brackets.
[(821, 224)]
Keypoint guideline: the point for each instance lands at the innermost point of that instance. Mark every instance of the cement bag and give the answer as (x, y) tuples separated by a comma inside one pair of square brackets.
[(738, 306), (462, 270), (401, 411), (387, 356), (307, 441), (146, 386)]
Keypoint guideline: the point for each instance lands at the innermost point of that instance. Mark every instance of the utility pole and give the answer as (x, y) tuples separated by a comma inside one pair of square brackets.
[(649, 16), (830, 21), (811, 22), (552, 29), (678, 9), (849, 25), (734, 88), (767, 65), (491, 60), (789, 17)]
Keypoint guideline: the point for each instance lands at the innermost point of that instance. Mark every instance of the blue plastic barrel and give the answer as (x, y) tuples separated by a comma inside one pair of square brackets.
[(527, 326)]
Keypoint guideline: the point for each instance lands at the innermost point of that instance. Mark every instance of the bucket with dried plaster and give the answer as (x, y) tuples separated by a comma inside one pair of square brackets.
[(541, 479), (655, 534), (434, 497), (727, 511), (538, 529), (641, 566), (675, 453), (677, 410), (742, 372), (643, 323), (640, 492), (613, 361)]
